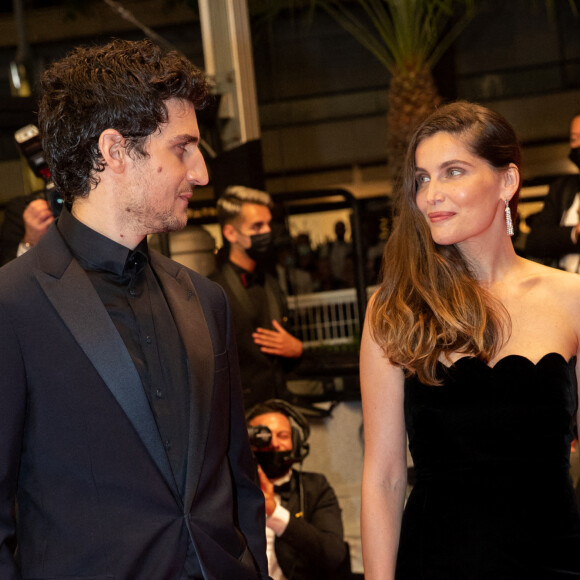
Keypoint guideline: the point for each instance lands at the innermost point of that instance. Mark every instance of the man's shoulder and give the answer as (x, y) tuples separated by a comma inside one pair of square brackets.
[(12, 272), (19, 282), (49, 254)]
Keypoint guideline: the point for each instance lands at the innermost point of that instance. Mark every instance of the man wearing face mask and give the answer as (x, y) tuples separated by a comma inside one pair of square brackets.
[(304, 531), (257, 302), (555, 231)]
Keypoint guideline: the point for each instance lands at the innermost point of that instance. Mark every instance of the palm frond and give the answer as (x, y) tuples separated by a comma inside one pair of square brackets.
[(409, 33)]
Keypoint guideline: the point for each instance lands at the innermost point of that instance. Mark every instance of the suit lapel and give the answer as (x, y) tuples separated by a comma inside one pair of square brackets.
[(187, 312), (73, 296)]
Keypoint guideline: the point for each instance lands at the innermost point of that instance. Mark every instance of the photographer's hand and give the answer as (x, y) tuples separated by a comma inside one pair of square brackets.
[(37, 217), (268, 490), (278, 341)]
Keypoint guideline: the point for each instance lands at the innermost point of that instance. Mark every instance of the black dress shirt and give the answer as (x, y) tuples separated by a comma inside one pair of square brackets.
[(134, 299)]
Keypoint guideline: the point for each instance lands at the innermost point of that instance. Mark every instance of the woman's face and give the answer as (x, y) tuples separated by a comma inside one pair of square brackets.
[(459, 193)]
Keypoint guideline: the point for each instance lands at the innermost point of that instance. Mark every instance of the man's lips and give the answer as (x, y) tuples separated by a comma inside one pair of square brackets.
[(440, 216), (186, 195)]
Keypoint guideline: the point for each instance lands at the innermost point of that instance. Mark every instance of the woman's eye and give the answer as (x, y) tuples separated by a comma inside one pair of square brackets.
[(421, 179), (453, 172)]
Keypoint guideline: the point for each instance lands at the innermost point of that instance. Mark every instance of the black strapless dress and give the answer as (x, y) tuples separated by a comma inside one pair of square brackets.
[(493, 498)]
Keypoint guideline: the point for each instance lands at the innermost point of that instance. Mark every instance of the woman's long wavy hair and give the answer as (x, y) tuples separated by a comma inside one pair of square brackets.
[(429, 303)]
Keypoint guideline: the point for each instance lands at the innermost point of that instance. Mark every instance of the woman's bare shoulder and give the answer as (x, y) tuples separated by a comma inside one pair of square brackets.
[(551, 284), (547, 274)]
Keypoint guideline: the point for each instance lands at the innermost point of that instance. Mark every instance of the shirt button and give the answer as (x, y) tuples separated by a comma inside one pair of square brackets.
[(167, 444), (132, 292), (148, 340), (159, 393)]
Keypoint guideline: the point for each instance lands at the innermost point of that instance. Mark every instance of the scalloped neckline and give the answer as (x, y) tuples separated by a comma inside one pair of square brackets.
[(509, 356)]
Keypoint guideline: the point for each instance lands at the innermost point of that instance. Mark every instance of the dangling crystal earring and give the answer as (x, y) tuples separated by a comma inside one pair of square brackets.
[(508, 219)]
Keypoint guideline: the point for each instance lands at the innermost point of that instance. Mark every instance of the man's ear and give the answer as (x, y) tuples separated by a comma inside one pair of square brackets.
[(229, 233), (112, 148)]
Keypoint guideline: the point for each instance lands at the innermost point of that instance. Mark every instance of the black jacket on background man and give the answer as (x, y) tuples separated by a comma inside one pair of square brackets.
[(548, 239), (262, 375), (312, 546)]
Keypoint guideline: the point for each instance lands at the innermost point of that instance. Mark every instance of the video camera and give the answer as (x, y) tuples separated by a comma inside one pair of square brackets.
[(260, 436), (28, 141)]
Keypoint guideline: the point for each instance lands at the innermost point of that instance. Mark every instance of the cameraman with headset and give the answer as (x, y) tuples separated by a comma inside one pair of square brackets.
[(303, 519)]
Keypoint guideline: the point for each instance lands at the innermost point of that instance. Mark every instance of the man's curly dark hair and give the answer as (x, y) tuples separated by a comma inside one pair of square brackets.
[(123, 85)]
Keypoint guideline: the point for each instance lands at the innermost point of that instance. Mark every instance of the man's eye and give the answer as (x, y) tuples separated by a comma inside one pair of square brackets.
[(182, 147)]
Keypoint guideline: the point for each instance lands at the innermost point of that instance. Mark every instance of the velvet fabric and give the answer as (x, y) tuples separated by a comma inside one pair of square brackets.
[(493, 498)]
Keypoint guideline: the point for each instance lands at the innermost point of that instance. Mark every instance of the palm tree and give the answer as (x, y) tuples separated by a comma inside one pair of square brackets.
[(408, 37)]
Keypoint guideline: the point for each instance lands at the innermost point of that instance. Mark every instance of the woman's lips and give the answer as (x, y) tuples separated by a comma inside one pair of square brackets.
[(440, 216)]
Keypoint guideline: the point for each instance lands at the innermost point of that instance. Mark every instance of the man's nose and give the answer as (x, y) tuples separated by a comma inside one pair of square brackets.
[(197, 170)]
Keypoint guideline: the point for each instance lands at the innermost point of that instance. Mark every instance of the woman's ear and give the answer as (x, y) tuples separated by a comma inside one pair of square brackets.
[(112, 148), (511, 180)]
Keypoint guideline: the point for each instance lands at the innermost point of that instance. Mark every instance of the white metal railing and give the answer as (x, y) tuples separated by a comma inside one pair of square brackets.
[(326, 318)]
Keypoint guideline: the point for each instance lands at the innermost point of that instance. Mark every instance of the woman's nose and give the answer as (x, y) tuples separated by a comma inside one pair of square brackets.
[(434, 193)]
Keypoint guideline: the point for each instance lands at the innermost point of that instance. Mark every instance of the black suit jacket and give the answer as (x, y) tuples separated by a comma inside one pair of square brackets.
[(79, 447), (12, 230), (262, 374), (312, 546), (547, 238)]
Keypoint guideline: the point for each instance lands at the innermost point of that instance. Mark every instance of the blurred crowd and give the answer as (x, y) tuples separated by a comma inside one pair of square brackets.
[(302, 268)]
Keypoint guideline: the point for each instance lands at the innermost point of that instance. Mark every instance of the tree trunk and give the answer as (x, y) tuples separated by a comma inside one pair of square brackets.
[(412, 98)]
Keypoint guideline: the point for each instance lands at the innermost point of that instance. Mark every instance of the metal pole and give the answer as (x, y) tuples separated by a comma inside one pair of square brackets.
[(227, 48)]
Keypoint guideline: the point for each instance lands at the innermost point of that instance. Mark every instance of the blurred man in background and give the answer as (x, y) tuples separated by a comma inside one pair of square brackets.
[(304, 529), (554, 236), (258, 304)]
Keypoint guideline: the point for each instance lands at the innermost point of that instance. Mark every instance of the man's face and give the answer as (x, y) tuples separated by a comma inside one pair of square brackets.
[(281, 429), (253, 219), (160, 186)]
